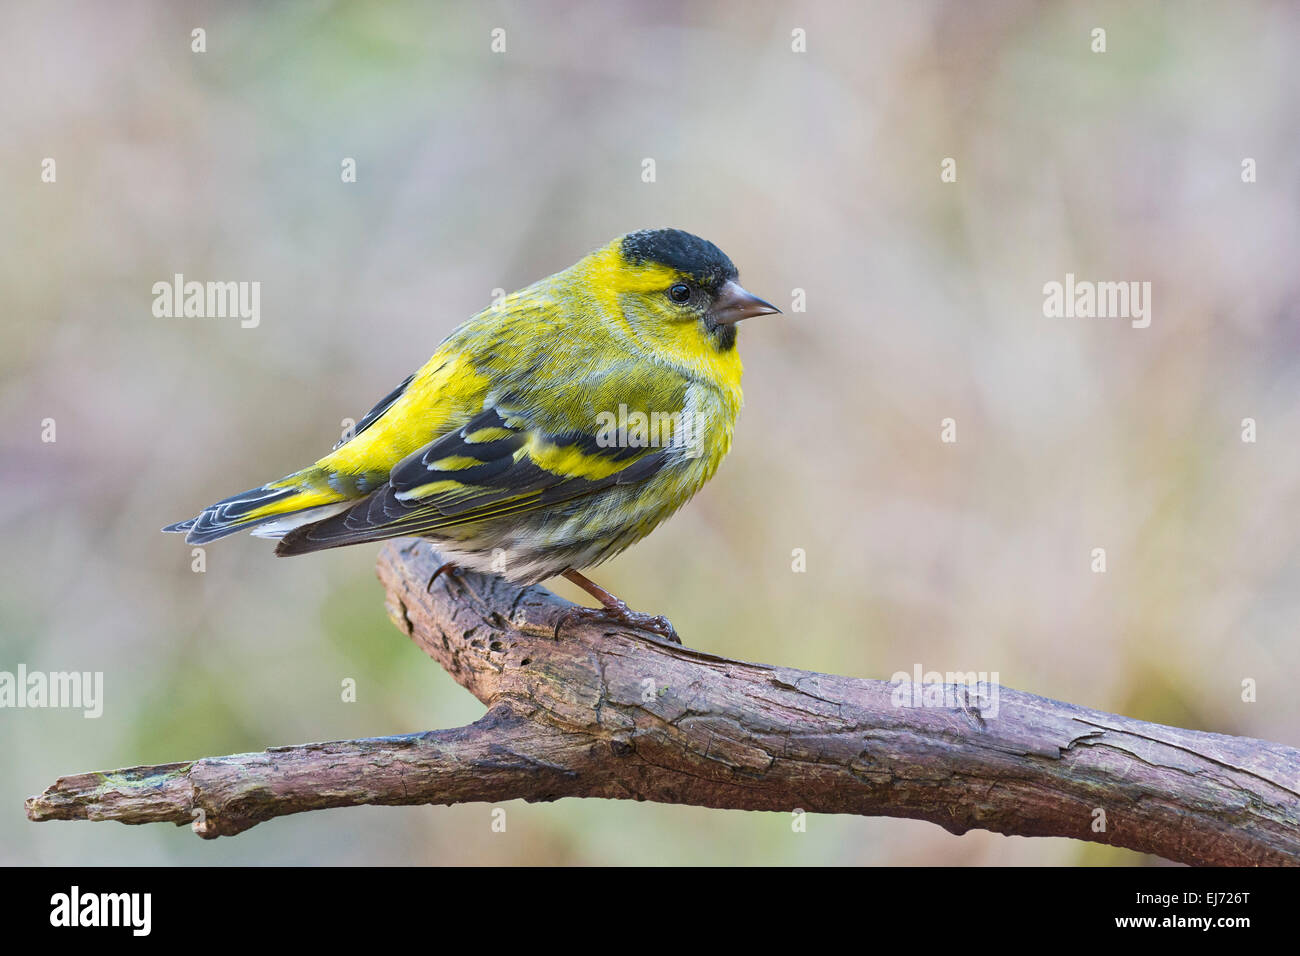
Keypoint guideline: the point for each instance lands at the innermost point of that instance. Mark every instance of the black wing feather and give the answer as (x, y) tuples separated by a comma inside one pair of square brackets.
[(500, 484)]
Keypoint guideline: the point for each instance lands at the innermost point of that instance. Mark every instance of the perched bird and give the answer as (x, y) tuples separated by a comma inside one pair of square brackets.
[(546, 434)]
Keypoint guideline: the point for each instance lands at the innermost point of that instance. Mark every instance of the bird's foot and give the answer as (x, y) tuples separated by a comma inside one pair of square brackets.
[(620, 613), (614, 609)]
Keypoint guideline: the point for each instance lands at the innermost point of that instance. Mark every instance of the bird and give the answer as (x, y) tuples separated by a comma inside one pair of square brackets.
[(545, 435)]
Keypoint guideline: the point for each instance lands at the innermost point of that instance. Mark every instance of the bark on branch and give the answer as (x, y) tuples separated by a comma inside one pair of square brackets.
[(605, 711)]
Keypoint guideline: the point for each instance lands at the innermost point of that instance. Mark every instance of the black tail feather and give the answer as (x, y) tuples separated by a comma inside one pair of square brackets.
[(230, 515)]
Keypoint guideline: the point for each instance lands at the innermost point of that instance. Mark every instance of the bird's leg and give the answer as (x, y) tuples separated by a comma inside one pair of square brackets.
[(613, 608)]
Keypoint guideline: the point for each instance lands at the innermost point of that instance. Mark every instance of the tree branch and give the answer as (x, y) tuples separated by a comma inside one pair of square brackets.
[(605, 711)]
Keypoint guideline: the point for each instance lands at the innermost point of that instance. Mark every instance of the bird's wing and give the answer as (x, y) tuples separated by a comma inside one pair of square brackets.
[(501, 463)]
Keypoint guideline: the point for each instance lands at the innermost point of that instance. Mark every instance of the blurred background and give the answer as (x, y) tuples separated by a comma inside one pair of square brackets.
[(816, 170)]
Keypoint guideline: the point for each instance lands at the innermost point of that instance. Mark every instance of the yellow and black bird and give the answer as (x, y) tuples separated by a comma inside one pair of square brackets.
[(546, 434)]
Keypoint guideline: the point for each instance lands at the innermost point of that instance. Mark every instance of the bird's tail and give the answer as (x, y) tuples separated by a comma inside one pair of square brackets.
[(269, 511)]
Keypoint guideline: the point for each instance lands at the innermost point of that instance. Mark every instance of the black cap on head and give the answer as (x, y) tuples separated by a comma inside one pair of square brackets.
[(682, 251)]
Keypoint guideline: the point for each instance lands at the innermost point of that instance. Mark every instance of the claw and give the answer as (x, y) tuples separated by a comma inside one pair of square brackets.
[(560, 622), (449, 566)]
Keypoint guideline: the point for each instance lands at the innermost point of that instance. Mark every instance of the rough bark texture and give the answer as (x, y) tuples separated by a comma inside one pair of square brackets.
[(605, 711)]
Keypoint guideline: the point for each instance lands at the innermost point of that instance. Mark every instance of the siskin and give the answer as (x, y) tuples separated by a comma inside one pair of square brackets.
[(546, 434)]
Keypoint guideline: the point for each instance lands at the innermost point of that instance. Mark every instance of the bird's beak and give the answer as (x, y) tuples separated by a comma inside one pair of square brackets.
[(733, 303)]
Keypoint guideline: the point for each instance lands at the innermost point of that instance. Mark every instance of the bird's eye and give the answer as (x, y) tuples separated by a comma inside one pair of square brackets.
[(680, 292)]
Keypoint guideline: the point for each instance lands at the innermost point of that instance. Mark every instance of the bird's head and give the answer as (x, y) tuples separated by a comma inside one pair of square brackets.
[(678, 292)]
